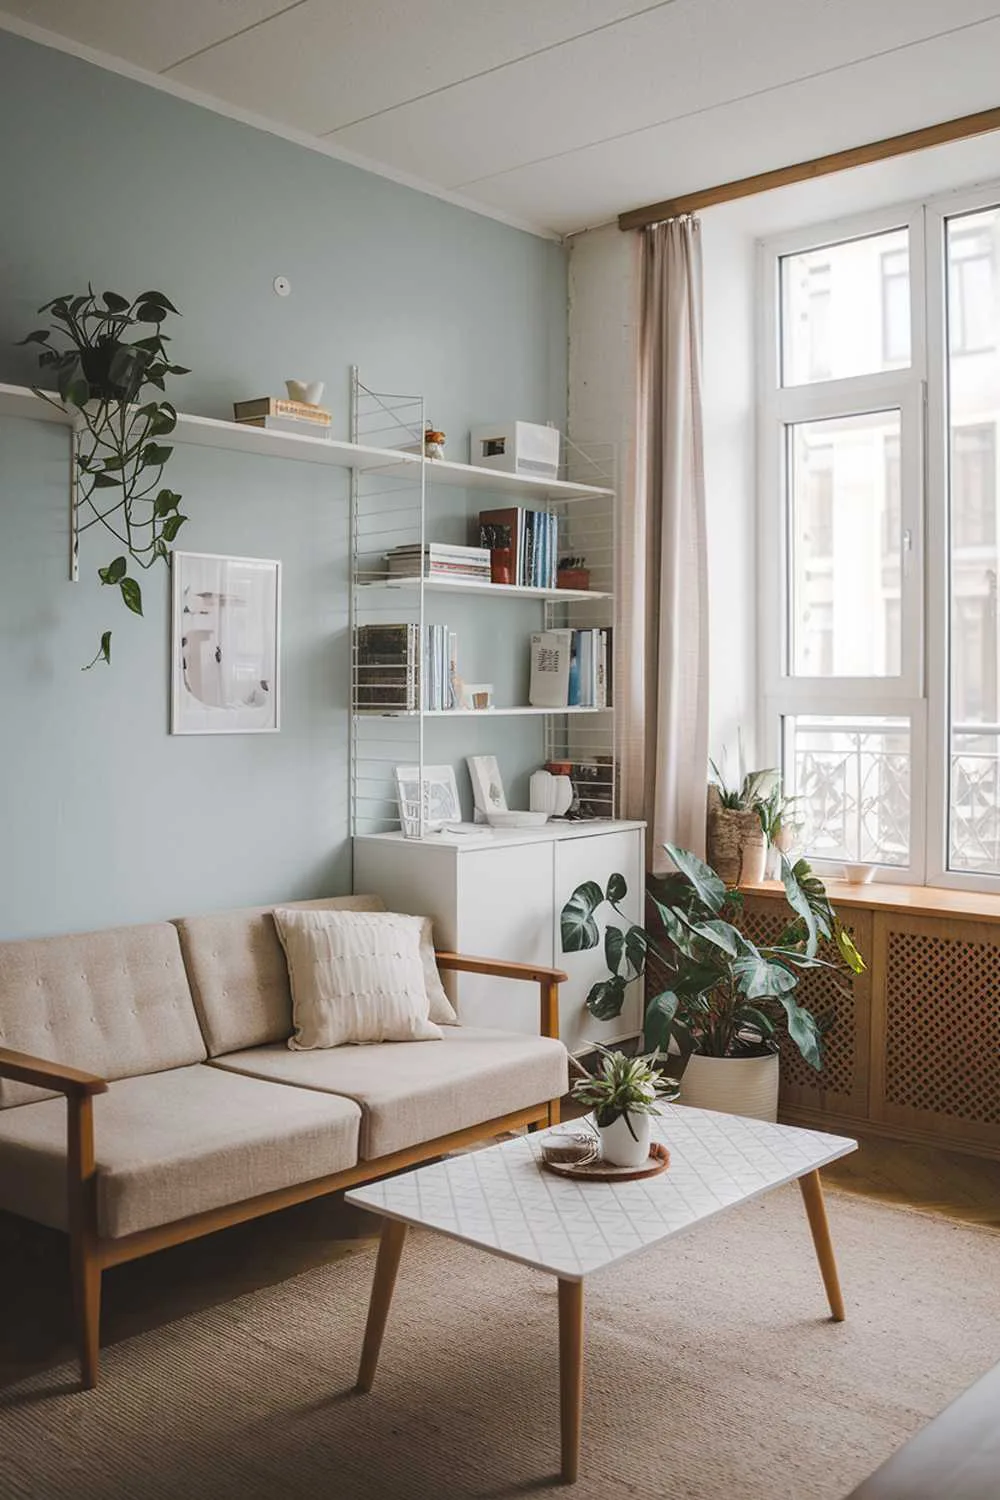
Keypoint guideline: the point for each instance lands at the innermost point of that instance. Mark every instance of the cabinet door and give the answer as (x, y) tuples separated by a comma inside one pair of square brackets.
[(596, 857), (504, 911)]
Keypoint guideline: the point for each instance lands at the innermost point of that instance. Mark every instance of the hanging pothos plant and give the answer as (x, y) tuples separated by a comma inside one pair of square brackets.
[(101, 371)]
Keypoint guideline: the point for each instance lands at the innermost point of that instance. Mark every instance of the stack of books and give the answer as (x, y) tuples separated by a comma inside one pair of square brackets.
[(392, 667), (279, 414), (439, 560), (531, 536), (571, 669)]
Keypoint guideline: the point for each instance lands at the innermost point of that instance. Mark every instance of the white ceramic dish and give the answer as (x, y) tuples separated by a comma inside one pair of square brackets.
[(859, 874), (517, 819)]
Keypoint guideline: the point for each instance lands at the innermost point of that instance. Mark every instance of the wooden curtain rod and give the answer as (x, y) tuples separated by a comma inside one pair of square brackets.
[(820, 166)]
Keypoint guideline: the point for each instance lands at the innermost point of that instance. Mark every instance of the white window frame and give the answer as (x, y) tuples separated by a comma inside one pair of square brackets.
[(902, 388)]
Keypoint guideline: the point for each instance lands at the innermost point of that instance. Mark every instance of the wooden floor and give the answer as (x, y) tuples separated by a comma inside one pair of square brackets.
[(34, 1290)]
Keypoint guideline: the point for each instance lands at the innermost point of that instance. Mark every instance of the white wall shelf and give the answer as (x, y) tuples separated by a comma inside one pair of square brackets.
[(472, 713), (491, 590)]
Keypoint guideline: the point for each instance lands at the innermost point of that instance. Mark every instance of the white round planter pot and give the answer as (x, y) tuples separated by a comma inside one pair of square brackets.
[(734, 1085), (618, 1145)]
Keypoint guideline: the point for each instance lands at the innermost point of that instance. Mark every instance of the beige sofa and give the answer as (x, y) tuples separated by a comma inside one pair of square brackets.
[(183, 1109)]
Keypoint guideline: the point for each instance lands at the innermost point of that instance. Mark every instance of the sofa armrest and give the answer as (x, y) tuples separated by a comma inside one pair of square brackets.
[(548, 981), (20, 1067)]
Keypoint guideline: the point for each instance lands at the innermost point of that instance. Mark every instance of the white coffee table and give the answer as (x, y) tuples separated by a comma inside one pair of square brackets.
[(501, 1200)]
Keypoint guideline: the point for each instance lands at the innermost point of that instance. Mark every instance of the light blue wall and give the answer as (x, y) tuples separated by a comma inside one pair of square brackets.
[(104, 817)]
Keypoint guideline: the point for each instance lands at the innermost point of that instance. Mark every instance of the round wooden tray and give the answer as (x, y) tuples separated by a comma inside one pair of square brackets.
[(597, 1170)]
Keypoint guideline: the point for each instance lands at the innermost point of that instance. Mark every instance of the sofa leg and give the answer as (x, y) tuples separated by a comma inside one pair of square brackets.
[(554, 1111), (87, 1310)]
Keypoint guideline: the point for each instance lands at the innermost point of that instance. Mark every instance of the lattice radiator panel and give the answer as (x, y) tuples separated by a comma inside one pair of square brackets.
[(942, 1025)]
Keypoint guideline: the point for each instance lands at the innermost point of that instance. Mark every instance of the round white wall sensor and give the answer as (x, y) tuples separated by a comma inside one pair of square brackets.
[(282, 285)]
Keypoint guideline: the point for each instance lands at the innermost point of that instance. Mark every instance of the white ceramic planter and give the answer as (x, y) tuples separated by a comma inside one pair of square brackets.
[(620, 1147), (734, 1085)]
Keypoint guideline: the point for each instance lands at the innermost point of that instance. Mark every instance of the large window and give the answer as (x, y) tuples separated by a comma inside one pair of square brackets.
[(881, 542)]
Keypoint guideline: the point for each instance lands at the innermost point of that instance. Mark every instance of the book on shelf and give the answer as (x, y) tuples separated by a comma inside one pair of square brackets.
[(397, 672), (287, 424), (439, 560), (534, 543), (550, 668), (280, 406), (571, 669)]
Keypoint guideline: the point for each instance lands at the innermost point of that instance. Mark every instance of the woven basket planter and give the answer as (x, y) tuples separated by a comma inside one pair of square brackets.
[(736, 843)]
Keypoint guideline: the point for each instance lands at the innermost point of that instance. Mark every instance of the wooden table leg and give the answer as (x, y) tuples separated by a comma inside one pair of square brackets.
[(812, 1195), (570, 1375), (389, 1250)]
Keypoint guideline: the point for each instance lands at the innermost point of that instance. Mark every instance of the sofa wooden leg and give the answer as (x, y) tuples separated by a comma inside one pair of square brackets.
[(87, 1311)]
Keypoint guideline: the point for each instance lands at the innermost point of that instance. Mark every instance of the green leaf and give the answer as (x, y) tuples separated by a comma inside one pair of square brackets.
[(40, 336), (750, 1015), (759, 978), (799, 902), (164, 419), (720, 934), (803, 1030), (617, 889), (158, 299), (104, 481), (848, 952), (132, 595), (150, 312), (711, 891), (606, 998), (660, 1013), (614, 948), (104, 654), (114, 572), (576, 922), (115, 302), (154, 453), (172, 526), (636, 947), (165, 502)]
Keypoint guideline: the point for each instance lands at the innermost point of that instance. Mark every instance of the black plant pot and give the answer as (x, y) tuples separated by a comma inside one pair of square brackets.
[(113, 371)]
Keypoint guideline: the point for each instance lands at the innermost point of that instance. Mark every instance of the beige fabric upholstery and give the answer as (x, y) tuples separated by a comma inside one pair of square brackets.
[(410, 1092), (174, 1144), (356, 977), (238, 974), (115, 1003)]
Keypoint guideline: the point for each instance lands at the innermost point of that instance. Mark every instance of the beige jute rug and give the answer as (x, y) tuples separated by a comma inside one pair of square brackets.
[(713, 1374)]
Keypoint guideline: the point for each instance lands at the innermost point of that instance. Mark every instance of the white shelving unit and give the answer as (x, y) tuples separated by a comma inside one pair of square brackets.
[(400, 505)]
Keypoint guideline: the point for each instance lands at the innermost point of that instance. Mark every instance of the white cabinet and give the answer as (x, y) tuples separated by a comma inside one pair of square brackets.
[(499, 894)]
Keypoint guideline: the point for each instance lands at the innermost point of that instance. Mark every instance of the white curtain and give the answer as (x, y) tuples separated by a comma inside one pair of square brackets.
[(663, 639)]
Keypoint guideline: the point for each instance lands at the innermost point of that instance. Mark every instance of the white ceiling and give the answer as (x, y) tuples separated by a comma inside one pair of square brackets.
[(557, 114)]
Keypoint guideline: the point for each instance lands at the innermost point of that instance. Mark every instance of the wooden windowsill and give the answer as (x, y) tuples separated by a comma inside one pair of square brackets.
[(921, 900)]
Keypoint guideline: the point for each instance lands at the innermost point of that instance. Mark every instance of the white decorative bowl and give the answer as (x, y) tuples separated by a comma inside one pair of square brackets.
[(517, 819), (859, 874), (310, 392)]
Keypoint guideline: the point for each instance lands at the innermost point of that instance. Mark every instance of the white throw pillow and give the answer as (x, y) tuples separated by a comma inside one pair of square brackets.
[(441, 1009), (355, 977)]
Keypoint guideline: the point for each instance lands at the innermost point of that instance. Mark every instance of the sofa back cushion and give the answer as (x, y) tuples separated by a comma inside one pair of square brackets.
[(239, 975), (115, 1003)]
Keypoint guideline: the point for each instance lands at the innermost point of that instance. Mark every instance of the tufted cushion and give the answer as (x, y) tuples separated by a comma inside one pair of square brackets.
[(115, 1003), (238, 974)]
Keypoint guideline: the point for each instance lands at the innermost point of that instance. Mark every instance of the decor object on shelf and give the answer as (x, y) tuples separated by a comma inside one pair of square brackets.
[(593, 784), (225, 644), (550, 794), (859, 874), (723, 994), (532, 538), (100, 373), (430, 446), (308, 392), (623, 1093), (435, 792), (474, 695), (496, 537), (516, 448), (736, 839), (488, 794), (595, 1169), (572, 573)]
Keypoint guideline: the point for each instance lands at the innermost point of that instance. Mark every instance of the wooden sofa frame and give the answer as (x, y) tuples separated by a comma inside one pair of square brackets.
[(90, 1255)]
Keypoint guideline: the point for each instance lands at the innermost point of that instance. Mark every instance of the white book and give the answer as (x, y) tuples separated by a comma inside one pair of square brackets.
[(550, 655), (586, 669), (602, 669)]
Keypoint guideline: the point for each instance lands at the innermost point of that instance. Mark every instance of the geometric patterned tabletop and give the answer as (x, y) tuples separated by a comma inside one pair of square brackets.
[(502, 1200)]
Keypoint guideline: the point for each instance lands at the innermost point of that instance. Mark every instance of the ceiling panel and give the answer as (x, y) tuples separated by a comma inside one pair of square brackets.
[(329, 62), (884, 96), (651, 69), (151, 35)]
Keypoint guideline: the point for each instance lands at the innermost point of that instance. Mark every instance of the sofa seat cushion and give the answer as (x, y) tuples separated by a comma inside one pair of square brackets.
[(410, 1092), (173, 1144), (115, 1003)]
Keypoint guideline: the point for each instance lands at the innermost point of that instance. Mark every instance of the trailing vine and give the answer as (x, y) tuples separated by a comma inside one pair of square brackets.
[(102, 373)]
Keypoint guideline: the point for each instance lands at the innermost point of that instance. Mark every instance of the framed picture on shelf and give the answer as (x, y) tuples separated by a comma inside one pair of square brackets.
[(439, 792), (487, 785), (224, 644)]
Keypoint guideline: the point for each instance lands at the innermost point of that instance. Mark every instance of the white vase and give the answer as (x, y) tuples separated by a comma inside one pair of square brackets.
[(734, 1085), (620, 1147)]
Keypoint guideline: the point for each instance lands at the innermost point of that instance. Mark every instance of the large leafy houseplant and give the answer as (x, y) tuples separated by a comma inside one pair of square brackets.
[(102, 362), (725, 995)]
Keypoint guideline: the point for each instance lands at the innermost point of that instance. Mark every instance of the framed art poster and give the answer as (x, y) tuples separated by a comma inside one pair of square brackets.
[(225, 644), (440, 798)]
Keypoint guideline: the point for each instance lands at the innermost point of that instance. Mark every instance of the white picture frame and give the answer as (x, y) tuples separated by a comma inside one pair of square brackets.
[(488, 793), (440, 799), (225, 644)]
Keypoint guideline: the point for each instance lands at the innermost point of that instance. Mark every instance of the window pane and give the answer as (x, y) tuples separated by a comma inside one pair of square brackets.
[(852, 778), (844, 530), (974, 408), (845, 309)]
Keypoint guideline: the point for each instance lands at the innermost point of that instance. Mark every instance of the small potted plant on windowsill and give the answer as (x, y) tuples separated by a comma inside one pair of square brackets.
[(624, 1093), (724, 995), (736, 833)]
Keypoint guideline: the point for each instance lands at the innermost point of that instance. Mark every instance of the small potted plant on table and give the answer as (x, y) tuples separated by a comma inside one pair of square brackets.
[(624, 1093), (723, 996)]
